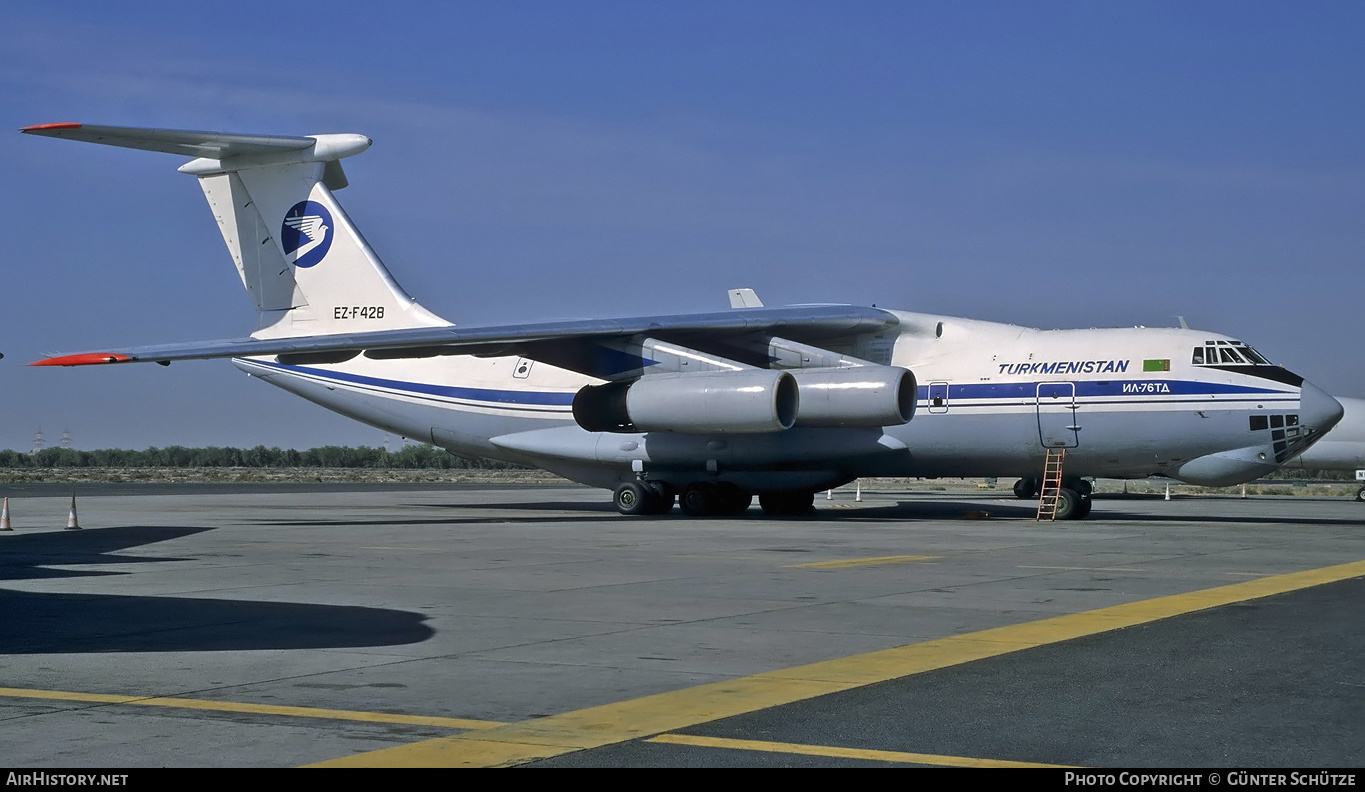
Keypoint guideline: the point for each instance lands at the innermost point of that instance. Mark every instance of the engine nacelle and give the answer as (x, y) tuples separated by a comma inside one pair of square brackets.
[(721, 402), (860, 396)]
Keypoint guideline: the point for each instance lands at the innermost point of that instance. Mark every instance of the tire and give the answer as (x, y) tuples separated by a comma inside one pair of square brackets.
[(1025, 488), (732, 499), (1083, 509), (1081, 487), (631, 498), (1360, 494), (1068, 504), (660, 499), (698, 500)]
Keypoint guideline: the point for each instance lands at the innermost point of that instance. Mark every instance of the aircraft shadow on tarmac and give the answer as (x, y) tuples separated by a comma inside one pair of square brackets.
[(87, 623), (1107, 507), (30, 556)]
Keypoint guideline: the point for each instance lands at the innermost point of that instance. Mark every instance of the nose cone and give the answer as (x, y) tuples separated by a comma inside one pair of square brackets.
[(1317, 409)]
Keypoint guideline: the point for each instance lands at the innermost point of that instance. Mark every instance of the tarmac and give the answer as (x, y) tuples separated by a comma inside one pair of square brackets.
[(344, 625)]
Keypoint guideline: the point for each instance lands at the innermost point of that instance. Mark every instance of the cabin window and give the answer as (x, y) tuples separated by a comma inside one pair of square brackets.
[(1198, 359), (1259, 422)]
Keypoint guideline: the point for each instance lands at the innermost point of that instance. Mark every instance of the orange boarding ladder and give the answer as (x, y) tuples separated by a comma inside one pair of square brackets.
[(1052, 484)]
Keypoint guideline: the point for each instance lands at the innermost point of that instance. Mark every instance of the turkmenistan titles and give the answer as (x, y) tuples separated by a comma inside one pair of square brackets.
[(1067, 367)]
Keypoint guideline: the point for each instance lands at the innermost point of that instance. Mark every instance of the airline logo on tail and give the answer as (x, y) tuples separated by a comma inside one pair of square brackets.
[(306, 233)]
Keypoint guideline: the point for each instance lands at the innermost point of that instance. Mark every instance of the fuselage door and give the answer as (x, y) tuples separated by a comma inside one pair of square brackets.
[(938, 397), (1057, 422)]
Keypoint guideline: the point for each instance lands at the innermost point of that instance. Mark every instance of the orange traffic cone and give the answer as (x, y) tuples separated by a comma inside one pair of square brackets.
[(71, 523)]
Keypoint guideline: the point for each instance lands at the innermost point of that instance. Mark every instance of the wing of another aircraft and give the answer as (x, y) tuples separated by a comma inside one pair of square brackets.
[(538, 341)]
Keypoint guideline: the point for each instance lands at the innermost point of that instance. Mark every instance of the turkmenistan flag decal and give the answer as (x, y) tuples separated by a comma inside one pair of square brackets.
[(1157, 365)]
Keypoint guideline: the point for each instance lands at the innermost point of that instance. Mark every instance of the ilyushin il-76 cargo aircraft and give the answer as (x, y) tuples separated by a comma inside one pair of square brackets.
[(710, 409)]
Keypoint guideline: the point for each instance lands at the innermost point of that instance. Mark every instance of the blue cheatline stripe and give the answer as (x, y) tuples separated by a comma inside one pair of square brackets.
[(490, 395), (956, 392), (1029, 390)]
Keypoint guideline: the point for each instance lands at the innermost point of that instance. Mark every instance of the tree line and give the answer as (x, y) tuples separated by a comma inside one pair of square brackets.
[(412, 457), (408, 458)]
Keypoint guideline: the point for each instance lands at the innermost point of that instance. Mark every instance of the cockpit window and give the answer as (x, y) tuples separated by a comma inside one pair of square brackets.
[(1227, 353)]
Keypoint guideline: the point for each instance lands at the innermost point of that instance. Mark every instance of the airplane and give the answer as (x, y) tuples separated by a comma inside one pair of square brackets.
[(709, 409), (1343, 449)]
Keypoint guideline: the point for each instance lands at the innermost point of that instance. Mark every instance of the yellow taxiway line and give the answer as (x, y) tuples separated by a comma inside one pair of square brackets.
[(899, 757), (640, 718), (256, 709)]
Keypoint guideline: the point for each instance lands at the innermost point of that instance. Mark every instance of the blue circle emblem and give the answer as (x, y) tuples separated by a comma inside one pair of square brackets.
[(306, 233)]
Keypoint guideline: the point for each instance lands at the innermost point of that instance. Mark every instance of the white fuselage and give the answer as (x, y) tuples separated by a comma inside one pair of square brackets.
[(992, 398)]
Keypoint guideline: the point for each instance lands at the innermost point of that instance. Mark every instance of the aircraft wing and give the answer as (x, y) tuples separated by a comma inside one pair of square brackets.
[(800, 323)]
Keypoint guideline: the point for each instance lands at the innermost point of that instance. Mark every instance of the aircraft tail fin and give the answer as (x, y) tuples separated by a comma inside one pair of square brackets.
[(304, 264)]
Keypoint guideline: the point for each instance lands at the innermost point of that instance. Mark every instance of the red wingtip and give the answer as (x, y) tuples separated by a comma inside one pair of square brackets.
[(63, 125), (87, 359)]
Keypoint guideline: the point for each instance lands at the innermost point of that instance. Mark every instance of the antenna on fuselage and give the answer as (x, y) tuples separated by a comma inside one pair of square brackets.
[(1183, 326)]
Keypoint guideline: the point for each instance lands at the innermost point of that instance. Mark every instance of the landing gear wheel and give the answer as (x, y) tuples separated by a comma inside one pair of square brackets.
[(1026, 488), (1068, 504), (787, 504), (1082, 509), (631, 498), (699, 500), (1360, 494), (732, 500), (660, 498)]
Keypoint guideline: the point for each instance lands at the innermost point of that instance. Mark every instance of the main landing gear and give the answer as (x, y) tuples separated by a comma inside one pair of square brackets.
[(706, 499), (1029, 488), (1073, 499), (644, 498)]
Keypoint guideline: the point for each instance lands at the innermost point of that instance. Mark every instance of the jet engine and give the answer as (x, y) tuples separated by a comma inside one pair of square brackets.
[(711, 402), (859, 396)]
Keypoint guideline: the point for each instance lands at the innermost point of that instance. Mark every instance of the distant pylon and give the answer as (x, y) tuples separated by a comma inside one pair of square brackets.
[(4, 517), (71, 523), (38, 441), (66, 439)]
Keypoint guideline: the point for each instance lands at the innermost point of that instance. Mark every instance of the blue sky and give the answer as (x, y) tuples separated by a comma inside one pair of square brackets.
[(1049, 164)]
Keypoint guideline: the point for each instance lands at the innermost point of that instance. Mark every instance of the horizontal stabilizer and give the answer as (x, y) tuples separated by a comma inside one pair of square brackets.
[(213, 145)]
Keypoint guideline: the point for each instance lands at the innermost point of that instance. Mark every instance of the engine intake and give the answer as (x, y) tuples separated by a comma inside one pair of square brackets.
[(747, 401)]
